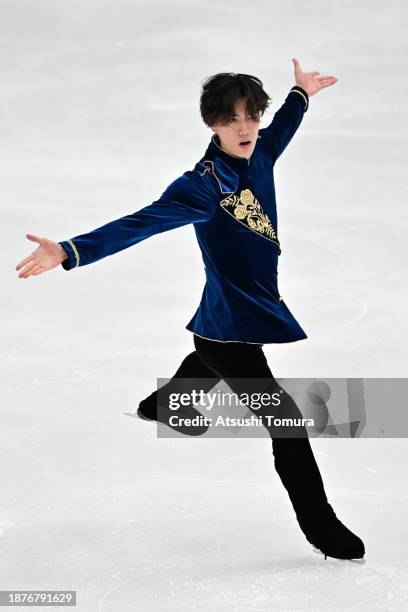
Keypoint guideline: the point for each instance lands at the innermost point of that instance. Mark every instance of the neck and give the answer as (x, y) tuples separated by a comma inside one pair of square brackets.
[(218, 143)]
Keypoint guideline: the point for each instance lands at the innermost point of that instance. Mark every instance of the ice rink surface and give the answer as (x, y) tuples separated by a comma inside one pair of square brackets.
[(99, 112)]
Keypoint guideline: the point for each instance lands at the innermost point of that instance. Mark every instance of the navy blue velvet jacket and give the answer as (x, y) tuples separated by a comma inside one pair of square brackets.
[(230, 200)]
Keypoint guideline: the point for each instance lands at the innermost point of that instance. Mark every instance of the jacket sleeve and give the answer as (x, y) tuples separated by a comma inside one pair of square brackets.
[(285, 122), (188, 199)]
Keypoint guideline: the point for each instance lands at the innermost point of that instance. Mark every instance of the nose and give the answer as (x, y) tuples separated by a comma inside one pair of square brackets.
[(243, 127)]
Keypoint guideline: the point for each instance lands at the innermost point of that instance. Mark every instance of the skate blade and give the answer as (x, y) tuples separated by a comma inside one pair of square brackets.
[(319, 552), (134, 415)]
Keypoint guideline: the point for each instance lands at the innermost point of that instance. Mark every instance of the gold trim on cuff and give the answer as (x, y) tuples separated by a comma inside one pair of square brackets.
[(75, 251), (303, 96)]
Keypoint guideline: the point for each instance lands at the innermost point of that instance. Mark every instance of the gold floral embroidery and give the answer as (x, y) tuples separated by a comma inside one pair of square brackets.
[(246, 209)]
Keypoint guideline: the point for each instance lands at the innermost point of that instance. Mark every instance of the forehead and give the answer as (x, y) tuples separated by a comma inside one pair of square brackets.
[(240, 106)]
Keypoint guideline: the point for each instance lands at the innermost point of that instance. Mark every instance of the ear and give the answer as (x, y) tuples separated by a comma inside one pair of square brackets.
[(213, 129)]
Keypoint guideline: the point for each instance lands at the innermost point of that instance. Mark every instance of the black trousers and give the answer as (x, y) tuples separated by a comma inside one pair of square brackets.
[(236, 363)]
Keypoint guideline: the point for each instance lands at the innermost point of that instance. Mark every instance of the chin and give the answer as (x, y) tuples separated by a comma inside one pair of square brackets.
[(241, 153)]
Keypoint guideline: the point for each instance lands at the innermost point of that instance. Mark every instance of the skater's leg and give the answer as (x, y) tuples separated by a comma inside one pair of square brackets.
[(192, 367), (293, 457)]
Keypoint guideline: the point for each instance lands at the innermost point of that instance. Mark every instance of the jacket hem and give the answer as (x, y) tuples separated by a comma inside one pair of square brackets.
[(218, 340), (246, 341)]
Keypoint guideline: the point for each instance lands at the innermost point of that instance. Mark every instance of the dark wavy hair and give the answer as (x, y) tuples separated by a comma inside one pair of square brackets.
[(221, 91)]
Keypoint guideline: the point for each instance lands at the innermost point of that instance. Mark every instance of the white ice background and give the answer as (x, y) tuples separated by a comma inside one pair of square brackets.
[(98, 114)]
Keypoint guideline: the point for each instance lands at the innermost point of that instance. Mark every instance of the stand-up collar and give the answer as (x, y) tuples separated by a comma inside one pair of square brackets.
[(238, 163), (225, 167)]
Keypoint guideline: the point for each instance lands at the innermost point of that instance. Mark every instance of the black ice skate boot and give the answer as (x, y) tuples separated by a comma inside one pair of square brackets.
[(299, 473), (192, 373), (331, 537), (183, 423)]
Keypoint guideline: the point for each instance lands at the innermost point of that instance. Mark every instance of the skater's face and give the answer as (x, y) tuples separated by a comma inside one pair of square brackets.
[(241, 128)]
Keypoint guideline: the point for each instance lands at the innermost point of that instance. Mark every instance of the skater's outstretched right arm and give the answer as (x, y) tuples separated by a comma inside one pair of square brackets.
[(278, 134), (189, 199), (288, 118)]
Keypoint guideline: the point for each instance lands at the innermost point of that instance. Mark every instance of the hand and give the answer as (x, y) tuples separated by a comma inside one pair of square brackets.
[(309, 81), (47, 256)]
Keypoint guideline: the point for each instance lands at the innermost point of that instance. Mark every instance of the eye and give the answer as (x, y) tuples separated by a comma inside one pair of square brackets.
[(250, 117)]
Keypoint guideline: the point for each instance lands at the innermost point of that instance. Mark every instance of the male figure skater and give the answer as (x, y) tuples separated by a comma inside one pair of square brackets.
[(229, 196)]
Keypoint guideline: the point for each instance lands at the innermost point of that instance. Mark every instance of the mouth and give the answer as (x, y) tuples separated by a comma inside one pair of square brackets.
[(245, 144)]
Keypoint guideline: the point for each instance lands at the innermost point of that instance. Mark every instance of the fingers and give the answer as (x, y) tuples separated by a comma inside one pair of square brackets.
[(324, 78), (34, 238), (326, 82), (38, 271), (28, 270), (28, 259), (25, 261)]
